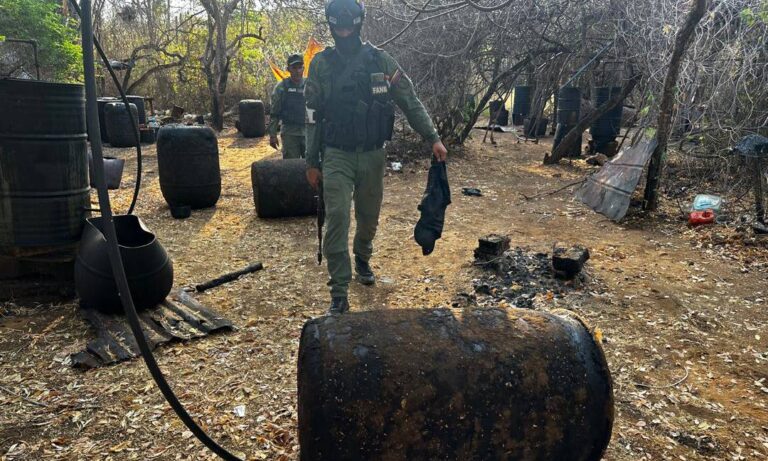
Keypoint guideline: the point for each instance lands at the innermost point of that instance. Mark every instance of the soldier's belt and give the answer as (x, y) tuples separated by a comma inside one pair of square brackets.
[(355, 147)]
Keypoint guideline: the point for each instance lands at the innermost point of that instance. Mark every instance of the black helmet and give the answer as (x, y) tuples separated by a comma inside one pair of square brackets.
[(345, 13)]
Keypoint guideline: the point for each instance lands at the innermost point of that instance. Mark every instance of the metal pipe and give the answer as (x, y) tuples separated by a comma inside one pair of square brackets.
[(34, 50), (115, 257)]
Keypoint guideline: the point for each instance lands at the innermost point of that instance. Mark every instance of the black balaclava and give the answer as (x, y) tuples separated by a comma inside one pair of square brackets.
[(346, 14)]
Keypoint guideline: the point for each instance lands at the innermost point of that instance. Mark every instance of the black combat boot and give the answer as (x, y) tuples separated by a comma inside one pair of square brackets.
[(339, 305), (364, 272)]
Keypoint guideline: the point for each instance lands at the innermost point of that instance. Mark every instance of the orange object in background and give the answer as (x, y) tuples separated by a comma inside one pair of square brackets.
[(697, 218), (313, 47)]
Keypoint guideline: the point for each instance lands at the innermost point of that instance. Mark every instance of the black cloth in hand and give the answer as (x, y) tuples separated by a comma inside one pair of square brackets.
[(436, 199)]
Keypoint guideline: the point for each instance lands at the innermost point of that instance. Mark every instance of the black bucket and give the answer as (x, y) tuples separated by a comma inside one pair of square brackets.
[(497, 109), (147, 266), (534, 128), (113, 171), (568, 106)]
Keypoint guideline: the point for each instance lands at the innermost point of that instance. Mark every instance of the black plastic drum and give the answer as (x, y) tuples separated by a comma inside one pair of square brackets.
[(188, 164), (43, 165), (252, 118)]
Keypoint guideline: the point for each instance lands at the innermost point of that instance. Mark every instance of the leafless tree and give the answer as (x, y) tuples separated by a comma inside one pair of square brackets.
[(219, 51)]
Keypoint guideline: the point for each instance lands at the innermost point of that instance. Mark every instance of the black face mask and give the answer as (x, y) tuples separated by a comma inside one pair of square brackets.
[(350, 44)]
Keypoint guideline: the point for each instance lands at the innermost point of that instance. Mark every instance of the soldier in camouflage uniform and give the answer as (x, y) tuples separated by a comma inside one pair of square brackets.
[(288, 108), (350, 93)]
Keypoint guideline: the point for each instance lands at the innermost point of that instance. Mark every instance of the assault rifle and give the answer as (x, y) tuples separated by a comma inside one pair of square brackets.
[(320, 222)]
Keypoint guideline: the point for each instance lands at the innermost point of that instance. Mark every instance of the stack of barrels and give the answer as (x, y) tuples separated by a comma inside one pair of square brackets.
[(44, 190)]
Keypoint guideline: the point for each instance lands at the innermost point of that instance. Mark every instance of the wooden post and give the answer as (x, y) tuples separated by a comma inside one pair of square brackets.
[(758, 189)]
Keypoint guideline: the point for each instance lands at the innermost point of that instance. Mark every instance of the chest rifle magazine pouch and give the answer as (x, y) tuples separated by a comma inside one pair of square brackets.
[(374, 124), (359, 122), (387, 123)]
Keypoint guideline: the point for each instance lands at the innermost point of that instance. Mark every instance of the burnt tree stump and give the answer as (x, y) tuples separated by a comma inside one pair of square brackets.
[(567, 262), (491, 247)]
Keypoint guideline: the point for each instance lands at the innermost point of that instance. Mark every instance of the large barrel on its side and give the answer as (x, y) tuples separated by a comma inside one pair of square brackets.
[(605, 129), (280, 189), (119, 128), (188, 166), (568, 113), (140, 108), (521, 105), (43, 165), (252, 118), (441, 384)]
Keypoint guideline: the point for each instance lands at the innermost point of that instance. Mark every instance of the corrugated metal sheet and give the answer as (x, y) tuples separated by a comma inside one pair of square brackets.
[(609, 190)]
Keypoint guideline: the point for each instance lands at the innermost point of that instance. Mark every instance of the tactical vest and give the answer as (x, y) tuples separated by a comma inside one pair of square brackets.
[(358, 111), (292, 106)]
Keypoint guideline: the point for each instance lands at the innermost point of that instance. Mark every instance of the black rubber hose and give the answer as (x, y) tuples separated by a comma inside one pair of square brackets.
[(112, 247), (123, 96)]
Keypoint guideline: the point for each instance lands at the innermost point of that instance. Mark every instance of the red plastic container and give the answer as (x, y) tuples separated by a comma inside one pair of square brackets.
[(697, 218)]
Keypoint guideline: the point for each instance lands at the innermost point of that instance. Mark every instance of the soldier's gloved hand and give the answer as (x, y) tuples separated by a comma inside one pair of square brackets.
[(439, 150), (274, 142), (313, 177)]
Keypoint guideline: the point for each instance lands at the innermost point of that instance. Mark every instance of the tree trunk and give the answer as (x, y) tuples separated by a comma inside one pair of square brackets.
[(509, 73), (650, 200)]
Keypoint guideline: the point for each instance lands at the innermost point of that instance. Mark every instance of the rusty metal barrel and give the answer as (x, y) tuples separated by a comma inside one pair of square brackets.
[(444, 384), (280, 189)]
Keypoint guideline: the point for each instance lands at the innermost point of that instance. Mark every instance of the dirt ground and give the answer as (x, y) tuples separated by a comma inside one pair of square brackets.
[(684, 317)]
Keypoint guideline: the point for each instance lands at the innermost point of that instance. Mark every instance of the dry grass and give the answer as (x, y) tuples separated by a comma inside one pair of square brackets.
[(668, 307)]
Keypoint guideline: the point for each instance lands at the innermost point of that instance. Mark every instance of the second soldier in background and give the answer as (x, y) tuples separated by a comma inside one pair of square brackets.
[(289, 111)]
